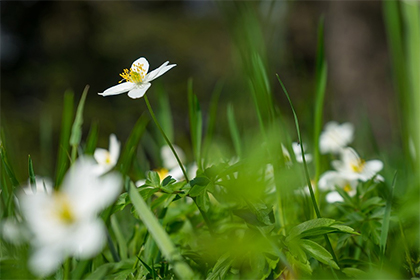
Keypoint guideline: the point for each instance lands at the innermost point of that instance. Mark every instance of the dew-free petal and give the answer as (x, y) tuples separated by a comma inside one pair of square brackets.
[(139, 91), (118, 89)]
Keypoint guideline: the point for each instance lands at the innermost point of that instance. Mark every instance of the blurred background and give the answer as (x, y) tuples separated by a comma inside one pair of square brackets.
[(48, 48)]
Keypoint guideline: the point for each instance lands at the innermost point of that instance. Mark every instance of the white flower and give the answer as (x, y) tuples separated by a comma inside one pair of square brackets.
[(352, 167), (335, 137), (107, 159), (137, 80), (298, 153), (332, 179), (170, 164), (13, 231), (65, 223), (42, 184)]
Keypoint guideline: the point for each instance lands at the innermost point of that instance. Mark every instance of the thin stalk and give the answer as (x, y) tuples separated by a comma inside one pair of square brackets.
[(206, 220), (66, 275), (308, 179), (165, 137)]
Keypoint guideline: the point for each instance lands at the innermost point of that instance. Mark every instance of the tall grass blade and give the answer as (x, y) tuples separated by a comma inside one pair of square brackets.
[(64, 145), (76, 131), (212, 116), (169, 251), (308, 179), (234, 132), (196, 123), (320, 86), (385, 222), (92, 139), (130, 148), (31, 172), (164, 114)]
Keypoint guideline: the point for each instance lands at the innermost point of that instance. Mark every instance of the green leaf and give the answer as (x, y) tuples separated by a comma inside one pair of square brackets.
[(354, 273), (221, 267), (153, 179), (309, 225), (318, 252), (199, 185), (203, 201)]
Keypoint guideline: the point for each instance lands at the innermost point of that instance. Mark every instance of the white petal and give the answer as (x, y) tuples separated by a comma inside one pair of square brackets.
[(374, 166), (88, 240), (140, 183), (143, 61), (88, 192), (158, 72), (334, 197), (101, 155), (139, 91), (45, 261), (168, 158), (118, 89), (114, 148)]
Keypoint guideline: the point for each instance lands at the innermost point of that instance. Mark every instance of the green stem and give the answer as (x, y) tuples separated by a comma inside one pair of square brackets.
[(165, 137), (66, 275)]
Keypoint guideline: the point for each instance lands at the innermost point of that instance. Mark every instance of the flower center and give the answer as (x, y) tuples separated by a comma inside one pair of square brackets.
[(135, 75), (358, 166), (63, 209), (108, 158), (162, 172), (347, 188)]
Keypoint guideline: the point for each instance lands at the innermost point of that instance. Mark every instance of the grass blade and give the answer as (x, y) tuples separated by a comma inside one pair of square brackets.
[(385, 222), (92, 139), (76, 131), (236, 138), (196, 123), (308, 179), (320, 85), (64, 145)]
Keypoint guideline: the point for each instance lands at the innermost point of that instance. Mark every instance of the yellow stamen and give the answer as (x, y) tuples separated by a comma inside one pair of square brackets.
[(108, 158), (136, 74), (358, 166), (347, 188), (63, 208), (162, 172)]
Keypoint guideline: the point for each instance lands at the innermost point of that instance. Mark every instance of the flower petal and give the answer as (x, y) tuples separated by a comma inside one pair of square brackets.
[(45, 261), (143, 61), (334, 197), (101, 155), (374, 166), (158, 72), (118, 89), (139, 91), (114, 148), (88, 240), (168, 158)]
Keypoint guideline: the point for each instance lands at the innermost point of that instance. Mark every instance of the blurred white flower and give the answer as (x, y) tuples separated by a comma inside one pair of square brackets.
[(107, 159), (13, 231), (65, 223), (332, 179), (298, 153), (335, 137), (137, 80), (170, 164), (352, 167), (286, 156), (42, 184)]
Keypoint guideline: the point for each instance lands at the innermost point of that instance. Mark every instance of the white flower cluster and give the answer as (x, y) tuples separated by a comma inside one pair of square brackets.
[(350, 169)]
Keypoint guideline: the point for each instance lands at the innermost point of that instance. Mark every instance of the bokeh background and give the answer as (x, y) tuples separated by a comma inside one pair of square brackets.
[(48, 48)]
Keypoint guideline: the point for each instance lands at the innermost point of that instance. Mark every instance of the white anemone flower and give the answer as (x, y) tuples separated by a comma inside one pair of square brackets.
[(137, 80), (332, 179), (352, 167), (298, 153), (107, 159), (335, 137), (65, 223)]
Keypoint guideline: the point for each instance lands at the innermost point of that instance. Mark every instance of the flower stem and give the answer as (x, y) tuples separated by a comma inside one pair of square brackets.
[(166, 138)]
